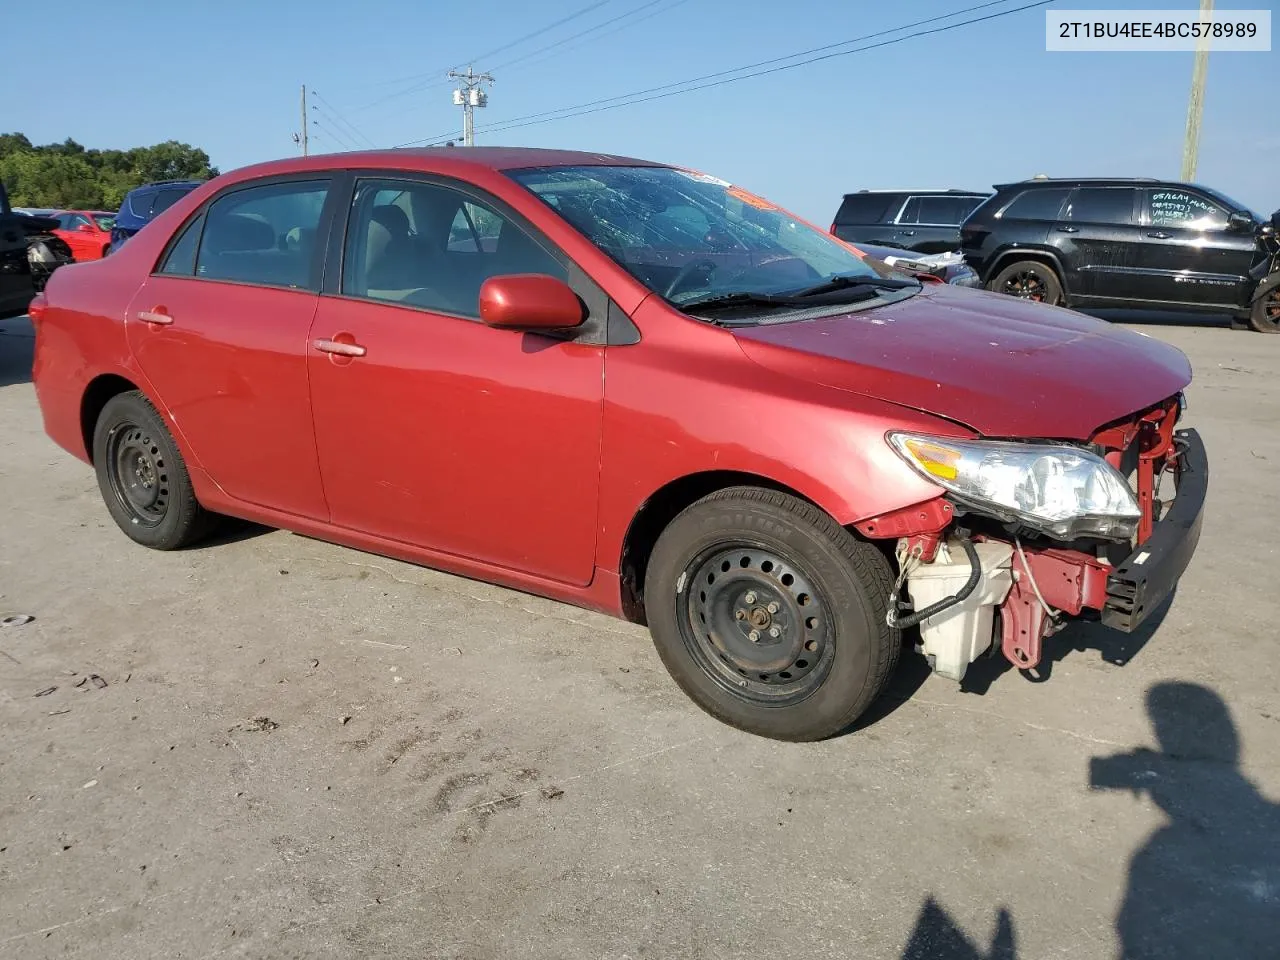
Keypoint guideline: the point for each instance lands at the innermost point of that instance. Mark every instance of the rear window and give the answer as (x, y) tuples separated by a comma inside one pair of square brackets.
[(1036, 205), (867, 207), (941, 211), (140, 203), (167, 198), (1101, 205)]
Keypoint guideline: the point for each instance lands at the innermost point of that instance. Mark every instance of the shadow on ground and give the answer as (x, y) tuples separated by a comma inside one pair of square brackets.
[(1206, 883), (17, 343)]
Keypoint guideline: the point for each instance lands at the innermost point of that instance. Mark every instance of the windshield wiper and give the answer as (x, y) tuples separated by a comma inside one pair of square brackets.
[(742, 298), (847, 282)]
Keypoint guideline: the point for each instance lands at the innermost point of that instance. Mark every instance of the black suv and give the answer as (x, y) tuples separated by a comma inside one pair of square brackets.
[(927, 221), (1117, 243), (29, 253)]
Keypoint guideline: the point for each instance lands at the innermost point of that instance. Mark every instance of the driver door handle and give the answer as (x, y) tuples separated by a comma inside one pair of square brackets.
[(339, 348), (1068, 229), (155, 317), (907, 233), (1159, 235)]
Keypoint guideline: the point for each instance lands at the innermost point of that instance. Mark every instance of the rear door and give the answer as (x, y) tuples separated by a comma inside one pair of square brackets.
[(930, 223), (434, 429), (221, 330), (1186, 253), (1097, 235)]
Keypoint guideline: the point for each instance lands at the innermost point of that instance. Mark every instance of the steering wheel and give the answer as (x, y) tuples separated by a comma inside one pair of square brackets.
[(683, 275)]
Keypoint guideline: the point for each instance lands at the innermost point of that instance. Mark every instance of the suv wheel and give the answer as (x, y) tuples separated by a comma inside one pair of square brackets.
[(1028, 280), (1265, 315), (770, 615)]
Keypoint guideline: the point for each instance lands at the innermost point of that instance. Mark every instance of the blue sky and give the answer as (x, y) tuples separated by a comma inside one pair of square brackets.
[(966, 108)]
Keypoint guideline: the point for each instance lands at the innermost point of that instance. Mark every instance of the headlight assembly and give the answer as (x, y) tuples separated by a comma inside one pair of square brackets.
[(1063, 491)]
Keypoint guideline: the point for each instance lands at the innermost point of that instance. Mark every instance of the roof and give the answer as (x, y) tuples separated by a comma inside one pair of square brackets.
[(489, 158), (935, 190), (1068, 181)]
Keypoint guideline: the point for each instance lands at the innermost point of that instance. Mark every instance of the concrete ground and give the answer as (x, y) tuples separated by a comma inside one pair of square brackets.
[(271, 747)]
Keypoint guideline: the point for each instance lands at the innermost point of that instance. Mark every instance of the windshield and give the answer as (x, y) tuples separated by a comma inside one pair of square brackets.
[(1227, 202), (105, 221), (691, 237)]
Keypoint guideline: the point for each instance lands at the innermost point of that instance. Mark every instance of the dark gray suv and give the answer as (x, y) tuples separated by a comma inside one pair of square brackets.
[(926, 221)]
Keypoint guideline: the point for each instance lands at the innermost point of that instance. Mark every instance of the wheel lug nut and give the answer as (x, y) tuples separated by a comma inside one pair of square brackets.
[(750, 597), (741, 614), (773, 608), (754, 635), (775, 632)]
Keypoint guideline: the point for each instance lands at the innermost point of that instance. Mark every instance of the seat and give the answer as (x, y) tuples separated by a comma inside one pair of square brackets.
[(391, 262)]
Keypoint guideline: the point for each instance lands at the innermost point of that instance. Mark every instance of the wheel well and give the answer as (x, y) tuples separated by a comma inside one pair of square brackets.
[(658, 511), (1013, 256), (100, 390)]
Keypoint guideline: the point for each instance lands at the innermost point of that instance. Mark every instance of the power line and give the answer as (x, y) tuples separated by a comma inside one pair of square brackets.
[(341, 120), (631, 99), (506, 46), (334, 134), (574, 36), (600, 36)]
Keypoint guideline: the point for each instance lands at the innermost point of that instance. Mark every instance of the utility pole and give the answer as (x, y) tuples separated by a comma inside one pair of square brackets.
[(1195, 105), (469, 96), (303, 139)]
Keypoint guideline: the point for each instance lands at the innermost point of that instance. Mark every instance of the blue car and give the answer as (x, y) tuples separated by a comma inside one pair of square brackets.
[(143, 204)]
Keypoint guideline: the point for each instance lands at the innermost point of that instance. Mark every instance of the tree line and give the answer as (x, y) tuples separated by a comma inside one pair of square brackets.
[(69, 176)]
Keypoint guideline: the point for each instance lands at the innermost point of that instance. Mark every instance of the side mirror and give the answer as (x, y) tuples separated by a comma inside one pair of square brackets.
[(85, 228), (1239, 222), (530, 301)]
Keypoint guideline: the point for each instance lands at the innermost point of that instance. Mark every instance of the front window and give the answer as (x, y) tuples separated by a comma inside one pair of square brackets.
[(105, 221), (1184, 210), (695, 239)]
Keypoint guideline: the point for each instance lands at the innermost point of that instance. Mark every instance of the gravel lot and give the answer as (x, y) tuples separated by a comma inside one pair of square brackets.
[(304, 751)]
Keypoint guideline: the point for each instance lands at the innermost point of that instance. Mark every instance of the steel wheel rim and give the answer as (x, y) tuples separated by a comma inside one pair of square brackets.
[(1027, 285), (1271, 308), (732, 592), (138, 473)]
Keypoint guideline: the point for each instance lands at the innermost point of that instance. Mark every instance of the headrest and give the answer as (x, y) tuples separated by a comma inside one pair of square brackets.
[(238, 232), (391, 217)]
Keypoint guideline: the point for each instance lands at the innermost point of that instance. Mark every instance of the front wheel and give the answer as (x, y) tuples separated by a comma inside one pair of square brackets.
[(770, 615), (1265, 315), (1028, 280)]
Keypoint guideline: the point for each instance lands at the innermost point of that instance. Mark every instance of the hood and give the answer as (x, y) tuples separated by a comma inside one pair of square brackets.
[(1002, 366)]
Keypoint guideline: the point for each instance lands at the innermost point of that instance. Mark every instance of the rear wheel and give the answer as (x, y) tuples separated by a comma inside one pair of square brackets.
[(1265, 315), (770, 615), (143, 478), (1028, 280)]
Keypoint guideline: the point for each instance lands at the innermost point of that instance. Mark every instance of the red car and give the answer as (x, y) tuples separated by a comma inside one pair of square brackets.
[(87, 232), (636, 388)]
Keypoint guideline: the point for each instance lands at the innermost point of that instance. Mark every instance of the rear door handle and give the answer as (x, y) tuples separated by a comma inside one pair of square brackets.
[(1159, 235), (1068, 229), (156, 317), (340, 348)]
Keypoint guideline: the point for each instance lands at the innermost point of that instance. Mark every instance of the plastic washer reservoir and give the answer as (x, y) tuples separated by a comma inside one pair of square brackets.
[(955, 637)]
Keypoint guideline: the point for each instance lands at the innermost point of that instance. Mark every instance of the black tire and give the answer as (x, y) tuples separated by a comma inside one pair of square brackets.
[(1265, 315), (106, 249), (1028, 280), (790, 568), (143, 478)]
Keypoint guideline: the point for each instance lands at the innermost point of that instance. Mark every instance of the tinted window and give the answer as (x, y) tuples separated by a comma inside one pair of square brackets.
[(1036, 205), (165, 199), (947, 211), (181, 260), (867, 207), (74, 221), (1101, 205), (263, 234), (1188, 211), (430, 246)]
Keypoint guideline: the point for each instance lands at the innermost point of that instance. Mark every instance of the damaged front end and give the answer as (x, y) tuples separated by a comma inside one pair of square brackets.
[(1029, 535)]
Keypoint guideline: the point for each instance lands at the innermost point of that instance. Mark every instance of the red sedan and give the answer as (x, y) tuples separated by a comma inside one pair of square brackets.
[(87, 232), (637, 388)]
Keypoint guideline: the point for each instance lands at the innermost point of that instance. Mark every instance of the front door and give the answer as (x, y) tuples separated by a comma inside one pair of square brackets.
[(1095, 235), (221, 331), (432, 428), (1186, 253)]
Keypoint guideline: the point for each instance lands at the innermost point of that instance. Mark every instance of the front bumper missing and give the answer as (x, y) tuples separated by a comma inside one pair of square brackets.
[(1146, 578)]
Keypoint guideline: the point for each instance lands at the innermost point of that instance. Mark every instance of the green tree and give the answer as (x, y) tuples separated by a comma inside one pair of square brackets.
[(68, 174)]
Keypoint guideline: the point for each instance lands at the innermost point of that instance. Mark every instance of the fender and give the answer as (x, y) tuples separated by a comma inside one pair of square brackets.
[(1006, 254), (1265, 286)]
